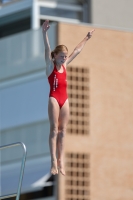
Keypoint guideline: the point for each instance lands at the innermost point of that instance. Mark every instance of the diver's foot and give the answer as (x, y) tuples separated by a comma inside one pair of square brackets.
[(61, 167), (54, 168)]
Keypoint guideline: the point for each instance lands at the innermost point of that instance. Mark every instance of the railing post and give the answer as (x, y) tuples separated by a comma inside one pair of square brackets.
[(21, 171)]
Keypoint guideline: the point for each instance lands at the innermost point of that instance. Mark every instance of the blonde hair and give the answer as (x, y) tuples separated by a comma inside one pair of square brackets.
[(58, 49)]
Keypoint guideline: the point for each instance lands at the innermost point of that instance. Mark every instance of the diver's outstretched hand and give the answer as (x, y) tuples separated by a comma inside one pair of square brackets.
[(90, 33), (45, 26)]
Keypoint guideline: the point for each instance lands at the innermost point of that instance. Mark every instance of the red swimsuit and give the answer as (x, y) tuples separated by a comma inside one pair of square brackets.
[(58, 86)]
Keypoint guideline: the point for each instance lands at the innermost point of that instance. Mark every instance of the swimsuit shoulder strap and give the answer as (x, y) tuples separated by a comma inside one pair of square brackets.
[(52, 71), (64, 69)]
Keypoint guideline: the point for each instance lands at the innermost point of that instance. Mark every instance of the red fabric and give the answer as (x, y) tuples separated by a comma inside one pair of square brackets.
[(58, 86)]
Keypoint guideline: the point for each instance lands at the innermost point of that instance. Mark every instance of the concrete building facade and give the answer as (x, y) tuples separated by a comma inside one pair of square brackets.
[(113, 13), (99, 154)]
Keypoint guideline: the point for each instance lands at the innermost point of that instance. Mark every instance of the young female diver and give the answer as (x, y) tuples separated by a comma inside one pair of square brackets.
[(58, 107)]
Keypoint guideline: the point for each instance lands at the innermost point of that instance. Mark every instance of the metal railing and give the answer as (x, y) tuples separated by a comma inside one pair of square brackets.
[(21, 171)]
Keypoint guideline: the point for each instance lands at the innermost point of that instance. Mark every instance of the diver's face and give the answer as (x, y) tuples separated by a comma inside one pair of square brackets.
[(61, 57)]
